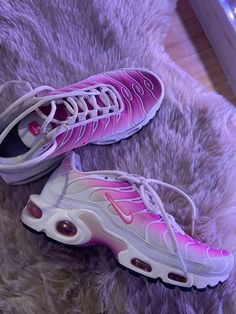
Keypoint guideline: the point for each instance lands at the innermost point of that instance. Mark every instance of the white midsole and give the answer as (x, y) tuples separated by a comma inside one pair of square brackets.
[(159, 269), (31, 173)]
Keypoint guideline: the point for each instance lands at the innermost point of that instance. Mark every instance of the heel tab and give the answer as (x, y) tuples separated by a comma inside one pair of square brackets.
[(71, 161)]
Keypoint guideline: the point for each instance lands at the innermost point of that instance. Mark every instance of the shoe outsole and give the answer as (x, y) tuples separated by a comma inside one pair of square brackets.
[(126, 254), (54, 164), (124, 268)]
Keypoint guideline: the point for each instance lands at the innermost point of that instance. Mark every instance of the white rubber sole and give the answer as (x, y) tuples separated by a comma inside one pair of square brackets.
[(32, 173), (125, 252), (151, 114)]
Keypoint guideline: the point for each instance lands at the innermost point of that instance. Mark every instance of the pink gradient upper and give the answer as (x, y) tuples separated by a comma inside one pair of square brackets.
[(145, 224), (125, 207), (139, 90)]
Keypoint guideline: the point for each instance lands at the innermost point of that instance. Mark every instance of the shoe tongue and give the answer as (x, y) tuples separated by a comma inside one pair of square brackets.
[(29, 129)]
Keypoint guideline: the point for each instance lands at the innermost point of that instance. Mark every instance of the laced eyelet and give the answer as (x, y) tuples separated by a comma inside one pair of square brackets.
[(118, 116)]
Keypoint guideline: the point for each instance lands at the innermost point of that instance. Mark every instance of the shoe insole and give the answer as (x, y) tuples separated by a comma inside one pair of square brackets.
[(12, 145)]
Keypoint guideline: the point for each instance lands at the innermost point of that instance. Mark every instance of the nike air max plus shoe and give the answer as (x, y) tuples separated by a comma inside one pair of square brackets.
[(124, 212), (39, 127)]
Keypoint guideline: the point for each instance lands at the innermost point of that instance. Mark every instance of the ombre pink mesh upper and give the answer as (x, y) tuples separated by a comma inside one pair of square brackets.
[(139, 90), (145, 224)]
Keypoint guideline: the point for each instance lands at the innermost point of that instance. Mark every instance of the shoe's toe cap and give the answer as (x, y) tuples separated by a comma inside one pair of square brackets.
[(146, 90), (219, 265)]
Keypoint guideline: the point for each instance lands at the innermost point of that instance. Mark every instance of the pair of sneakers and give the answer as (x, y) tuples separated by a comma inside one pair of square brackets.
[(114, 208)]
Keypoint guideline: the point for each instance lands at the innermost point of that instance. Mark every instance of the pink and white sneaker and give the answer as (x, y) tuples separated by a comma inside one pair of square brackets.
[(39, 127), (124, 212)]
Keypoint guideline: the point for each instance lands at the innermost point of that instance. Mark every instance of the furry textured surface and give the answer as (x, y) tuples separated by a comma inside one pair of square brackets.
[(190, 143)]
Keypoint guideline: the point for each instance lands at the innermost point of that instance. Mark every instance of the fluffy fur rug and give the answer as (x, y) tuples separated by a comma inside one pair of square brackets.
[(190, 143)]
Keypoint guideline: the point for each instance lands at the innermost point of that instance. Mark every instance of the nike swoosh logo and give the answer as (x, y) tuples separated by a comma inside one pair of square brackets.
[(126, 218)]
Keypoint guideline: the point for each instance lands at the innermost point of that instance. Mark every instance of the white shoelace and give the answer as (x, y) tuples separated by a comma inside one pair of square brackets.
[(153, 202), (74, 102)]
